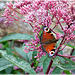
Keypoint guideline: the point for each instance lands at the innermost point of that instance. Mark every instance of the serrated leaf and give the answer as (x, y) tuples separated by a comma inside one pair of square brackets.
[(57, 70), (16, 36), (46, 64), (4, 64), (18, 62)]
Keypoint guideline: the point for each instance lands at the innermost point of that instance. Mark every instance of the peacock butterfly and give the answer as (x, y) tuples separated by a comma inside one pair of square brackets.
[(48, 41)]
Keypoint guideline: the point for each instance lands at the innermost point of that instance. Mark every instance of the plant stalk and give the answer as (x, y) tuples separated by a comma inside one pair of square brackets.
[(49, 66), (71, 52)]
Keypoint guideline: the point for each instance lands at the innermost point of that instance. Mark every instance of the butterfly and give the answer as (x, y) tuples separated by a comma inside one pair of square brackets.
[(48, 41)]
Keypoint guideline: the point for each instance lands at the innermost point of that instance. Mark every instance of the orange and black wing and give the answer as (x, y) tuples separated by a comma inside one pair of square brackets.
[(48, 41), (46, 36)]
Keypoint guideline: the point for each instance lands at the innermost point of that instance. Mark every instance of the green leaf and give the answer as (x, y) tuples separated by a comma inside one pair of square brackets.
[(61, 59), (16, 36), (29, 56), (9, 50), (67, 72), (69, 61), (74, 32), (66, 66), (42, 58), (57, 59), (40, 64), (26, 56), (21, 52), (58, 42), (60, 31), (5, 44), (70, 45), (8, 70), (70, 65), (11, 43), (40, 32), (35, 59), (73, 71), (24, 65), (57, 70), (46, 64), (33, 55), (61, 52), (4, 64)]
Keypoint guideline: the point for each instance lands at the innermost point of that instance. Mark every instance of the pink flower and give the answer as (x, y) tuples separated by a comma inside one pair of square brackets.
[(16, 68), (25, 51), (58, 36)]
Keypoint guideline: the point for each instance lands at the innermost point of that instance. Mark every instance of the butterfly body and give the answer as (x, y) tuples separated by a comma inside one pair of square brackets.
[(48, 41)]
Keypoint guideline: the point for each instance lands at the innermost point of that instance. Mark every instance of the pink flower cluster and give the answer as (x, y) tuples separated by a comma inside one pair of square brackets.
[(40, 13)]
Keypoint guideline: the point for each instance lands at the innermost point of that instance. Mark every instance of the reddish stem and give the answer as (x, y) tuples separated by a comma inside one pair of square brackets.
[(71, 52), (64, 46), (32, 64), (57, 49), (54, 27), (60, 24), (53, 31), (52, 18), (14, 10), (49, 66), (31, 25)]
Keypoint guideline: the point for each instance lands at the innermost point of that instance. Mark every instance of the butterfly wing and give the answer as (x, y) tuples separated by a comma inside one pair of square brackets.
[(48, 41), (47, 37), (49, 47)]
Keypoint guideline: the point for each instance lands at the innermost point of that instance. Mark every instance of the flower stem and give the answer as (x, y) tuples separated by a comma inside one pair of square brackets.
[(71, 52), (64, 46), (32, 64), (60, 24), (49, 66)]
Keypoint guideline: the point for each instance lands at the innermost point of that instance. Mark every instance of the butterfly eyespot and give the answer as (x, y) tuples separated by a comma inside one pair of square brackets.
[(51, 53), (46, 29)]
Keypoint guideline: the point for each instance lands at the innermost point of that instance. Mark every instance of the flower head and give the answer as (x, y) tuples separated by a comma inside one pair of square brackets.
[(39, 13)]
